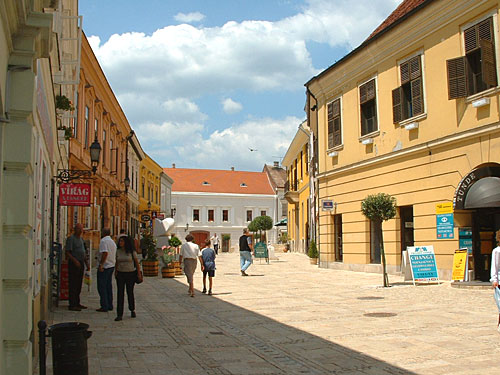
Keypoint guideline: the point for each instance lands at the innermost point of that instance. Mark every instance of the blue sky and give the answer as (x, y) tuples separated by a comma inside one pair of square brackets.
[(201, 81)]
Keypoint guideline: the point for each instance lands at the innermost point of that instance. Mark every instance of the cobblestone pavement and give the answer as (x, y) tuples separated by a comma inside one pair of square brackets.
[(290, 317)]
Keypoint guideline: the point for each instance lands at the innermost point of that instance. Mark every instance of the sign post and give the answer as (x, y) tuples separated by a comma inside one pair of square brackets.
[(460, 265), (260, 251), (423, 264)]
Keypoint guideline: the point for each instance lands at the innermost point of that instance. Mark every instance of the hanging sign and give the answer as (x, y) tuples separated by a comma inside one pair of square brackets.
[(459, 270), (423, 263), (74, 194), (444, 220)]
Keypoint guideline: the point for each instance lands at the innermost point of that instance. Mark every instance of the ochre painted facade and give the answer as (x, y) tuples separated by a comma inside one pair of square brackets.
[(149, 186), (420, 160)]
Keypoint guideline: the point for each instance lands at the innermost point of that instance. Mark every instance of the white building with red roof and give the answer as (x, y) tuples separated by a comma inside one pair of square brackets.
[(207, 201)]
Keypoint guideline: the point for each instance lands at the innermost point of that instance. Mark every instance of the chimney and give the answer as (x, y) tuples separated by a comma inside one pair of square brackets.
[(173, 165), (276, 164), (232, 168)]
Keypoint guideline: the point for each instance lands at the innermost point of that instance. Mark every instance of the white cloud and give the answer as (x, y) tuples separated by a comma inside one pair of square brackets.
[(189, 17), (230, 106)]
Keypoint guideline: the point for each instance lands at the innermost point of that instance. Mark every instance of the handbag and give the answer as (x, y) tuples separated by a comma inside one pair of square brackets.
[(138, 277)]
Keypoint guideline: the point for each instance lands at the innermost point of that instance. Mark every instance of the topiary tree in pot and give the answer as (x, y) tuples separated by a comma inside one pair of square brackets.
[(379, 208), (261, 224)]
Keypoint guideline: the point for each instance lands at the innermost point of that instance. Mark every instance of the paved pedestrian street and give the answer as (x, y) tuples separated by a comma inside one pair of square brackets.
[(289, 317)]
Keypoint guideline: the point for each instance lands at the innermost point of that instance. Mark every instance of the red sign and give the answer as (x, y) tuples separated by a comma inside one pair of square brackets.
[(74, 194)]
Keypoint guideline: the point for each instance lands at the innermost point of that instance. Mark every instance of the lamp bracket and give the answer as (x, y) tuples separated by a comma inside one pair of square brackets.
[(67, 175)]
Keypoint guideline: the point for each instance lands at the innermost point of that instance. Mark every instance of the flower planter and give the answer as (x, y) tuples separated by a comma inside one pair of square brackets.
[(167, 272), (178, 269), (313, 260), (150, 267)]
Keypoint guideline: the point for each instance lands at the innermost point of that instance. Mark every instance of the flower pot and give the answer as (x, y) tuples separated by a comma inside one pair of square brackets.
[(178, 269), (167, 272), (150, 267), (313, 260)]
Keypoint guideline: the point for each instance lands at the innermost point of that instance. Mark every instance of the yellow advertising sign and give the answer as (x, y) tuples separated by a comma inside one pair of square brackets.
[(459, 265), (444, 208)]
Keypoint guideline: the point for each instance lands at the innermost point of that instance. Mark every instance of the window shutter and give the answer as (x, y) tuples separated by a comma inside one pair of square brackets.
[(330, 111), (330, 133), (405, 72), (337, 138), (485, 30), (362, 94), (471, 39), (370, 90), (416, 97), (336, 108), (415, 68), (488, 67), (397, 107), (457, 81)]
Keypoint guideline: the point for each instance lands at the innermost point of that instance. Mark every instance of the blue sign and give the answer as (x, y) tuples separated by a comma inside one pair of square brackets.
[(444, 226), (423, 263), (465, 239)]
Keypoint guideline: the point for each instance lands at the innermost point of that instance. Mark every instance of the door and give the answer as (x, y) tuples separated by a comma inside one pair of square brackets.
[(407, 231), (337, 223), (486, 223), (200, 237)]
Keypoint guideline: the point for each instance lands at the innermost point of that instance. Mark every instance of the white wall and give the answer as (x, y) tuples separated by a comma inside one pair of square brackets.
[(236, 204)]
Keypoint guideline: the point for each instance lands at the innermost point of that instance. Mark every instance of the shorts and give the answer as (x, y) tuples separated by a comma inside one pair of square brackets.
[(211, 273)]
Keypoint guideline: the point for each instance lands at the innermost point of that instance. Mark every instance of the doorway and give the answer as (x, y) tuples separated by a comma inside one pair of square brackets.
[(337, 223), (199, 237), (406, 227), (485, 223)]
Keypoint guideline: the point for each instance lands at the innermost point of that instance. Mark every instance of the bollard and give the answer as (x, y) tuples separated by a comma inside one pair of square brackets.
[(42, 330)]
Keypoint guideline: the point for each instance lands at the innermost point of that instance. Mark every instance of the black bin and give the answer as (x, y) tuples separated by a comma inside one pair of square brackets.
[(69, 348)]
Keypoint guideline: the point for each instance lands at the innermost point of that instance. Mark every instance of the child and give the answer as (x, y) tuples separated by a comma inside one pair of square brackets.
[(208, 255)]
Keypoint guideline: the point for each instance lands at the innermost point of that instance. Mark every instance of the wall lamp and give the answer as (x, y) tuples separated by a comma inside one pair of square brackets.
[(66, 175), (187, 227)]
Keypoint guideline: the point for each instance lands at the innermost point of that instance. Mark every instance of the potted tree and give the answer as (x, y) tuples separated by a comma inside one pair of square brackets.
[(175, 243), (379, 208), (261, 224), (313, 252), (168, 258), (150, 264)]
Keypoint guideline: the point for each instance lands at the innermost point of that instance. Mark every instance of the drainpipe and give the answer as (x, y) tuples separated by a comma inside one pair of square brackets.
[(312, 167)]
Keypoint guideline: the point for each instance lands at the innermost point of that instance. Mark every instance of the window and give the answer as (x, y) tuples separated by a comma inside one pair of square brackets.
[(408, 99), (306, 158), (156, 195), (196, 215), (211, 216), (249, 215), (103, 147), (96, 126), (334, 124), (86, 141), (375, 233), (263, 213), (142, 188), (75, 122), (111, 155), (476, 71), (367, 99), (225, 216)]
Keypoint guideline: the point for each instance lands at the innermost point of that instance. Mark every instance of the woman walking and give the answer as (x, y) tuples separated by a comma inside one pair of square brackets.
[(189, 252), (126, 272), (495, 269)]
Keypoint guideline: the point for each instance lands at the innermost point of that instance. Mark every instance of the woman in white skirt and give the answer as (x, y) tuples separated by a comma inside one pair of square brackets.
[(189, 252), (495, 269)]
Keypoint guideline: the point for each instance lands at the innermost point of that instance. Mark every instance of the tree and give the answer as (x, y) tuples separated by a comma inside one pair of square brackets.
[(260, 224), (379, 208), (149, 244)]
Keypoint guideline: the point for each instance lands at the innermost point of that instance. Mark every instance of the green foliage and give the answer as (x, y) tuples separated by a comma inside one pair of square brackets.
[(379, 206), (226, 237), (68, 132), (174, 242), (150, 245), (261, 223), (168, 255), (283, 237), (62, 102), (313, 250), (252, 227)]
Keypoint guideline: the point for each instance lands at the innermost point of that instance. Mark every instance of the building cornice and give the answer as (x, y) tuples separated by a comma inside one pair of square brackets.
[(221, 195)]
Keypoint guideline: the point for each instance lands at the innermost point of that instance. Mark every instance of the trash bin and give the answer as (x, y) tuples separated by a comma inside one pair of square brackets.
[(69, 348)]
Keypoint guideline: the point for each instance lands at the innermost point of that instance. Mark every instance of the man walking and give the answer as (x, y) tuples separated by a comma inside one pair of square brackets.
[(215, 242), (76, 256), (107, 252), (246, 251)]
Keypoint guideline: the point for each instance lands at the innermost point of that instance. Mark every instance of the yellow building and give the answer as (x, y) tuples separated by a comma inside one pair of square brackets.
[(297, 192), (412, 112), (150, 186)]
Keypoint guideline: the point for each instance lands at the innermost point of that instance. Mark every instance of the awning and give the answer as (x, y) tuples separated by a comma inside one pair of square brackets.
[(281, 223), (484, 193)]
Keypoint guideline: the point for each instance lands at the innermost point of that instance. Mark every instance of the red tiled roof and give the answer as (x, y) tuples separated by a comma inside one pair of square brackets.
[(402, 10), (219, 181)]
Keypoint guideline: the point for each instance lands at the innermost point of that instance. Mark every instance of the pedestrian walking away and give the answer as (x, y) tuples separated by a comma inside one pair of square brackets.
[(76, 256), (216, 243), (127, 271), (208, 255), (106, 267), (189, 252), (495, 269), (246, 251)]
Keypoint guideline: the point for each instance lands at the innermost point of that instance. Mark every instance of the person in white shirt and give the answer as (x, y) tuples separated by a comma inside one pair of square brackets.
[(189, 252), (106, 267), (215, 242), (495, 269)]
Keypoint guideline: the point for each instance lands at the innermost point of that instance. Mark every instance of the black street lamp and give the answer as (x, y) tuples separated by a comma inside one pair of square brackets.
[(95, 153), (127, 183), (67, 175)]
